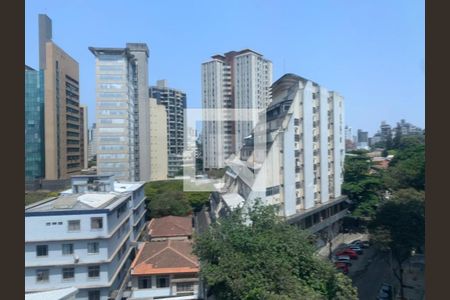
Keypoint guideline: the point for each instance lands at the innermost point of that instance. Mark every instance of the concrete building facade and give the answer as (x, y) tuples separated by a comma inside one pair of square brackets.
[(84, 238), (235, 80), (92, 146), (84, 136), (63, 145), (158, 136), (123, 146), (175, 103), (301, 170)]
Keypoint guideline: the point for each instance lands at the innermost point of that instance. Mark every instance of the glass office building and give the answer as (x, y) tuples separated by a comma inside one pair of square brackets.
[(34, 124)]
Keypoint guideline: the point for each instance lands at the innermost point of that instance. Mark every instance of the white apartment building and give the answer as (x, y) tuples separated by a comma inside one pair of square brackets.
[(301, 169), (84, 238), (235, 80), (158, 134), (123, 141)]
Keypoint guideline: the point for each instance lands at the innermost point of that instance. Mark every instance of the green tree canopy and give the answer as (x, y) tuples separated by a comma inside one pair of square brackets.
[(407, 169), (399, 226), (157, 192), (263, 257), (360, 186), (169, 203)]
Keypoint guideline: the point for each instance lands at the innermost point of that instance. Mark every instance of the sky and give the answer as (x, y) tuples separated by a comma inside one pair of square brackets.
[(371, 52)]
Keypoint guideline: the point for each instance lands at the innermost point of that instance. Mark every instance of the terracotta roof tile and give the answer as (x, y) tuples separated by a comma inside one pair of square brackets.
[(165, 257), (170, 226)]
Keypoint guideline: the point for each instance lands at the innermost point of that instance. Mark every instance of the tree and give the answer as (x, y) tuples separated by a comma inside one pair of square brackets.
[(258, 256), (398, 137), (399, 226), (169, 203), (407, 169), (156, 191), (360, 186)]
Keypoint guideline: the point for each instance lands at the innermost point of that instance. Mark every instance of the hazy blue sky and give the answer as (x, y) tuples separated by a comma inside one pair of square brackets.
[(372, 52)]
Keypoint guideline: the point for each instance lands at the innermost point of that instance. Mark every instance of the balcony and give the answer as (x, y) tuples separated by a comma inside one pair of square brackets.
[(151, 293)]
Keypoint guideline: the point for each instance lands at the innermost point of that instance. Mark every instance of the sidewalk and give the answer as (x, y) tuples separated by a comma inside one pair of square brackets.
[(414, 279)]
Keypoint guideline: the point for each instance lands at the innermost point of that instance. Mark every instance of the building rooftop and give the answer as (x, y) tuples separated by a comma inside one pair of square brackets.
[(170, 226), (59, 294), (165, 257), (233, 200), (86, 201), (121, 187)]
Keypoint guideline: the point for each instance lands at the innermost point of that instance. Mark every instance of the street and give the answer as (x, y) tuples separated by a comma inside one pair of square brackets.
[(375, 272)]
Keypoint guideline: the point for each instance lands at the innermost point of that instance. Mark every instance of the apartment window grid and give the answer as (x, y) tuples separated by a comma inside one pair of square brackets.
[(68, 273), (42, 250), (185, 287), (93, 248), (94, 271), (94, 295), (67, 249), (42, 275), (73, 225)]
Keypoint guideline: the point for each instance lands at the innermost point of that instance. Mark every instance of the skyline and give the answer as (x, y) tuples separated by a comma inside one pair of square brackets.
[(376, 64)]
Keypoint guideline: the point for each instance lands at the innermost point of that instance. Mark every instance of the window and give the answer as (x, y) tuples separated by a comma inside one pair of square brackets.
[(74, 225), (96, 223), (162, 281), (94, 295), (93, 248), (41, 250), (93, 271), (68, 273), (42, 275), (145, 283), (185, 287), (67, 249), (122, 208)]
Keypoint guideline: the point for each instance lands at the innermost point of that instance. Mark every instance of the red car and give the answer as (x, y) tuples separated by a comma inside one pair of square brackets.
[(348, 252), (342, 267)]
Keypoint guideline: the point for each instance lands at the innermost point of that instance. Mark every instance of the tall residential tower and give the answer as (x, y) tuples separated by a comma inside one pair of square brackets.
[(300, 169), (175, 102), (235, 80)]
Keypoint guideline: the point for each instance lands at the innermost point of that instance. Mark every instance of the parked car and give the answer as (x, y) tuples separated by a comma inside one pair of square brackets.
[(342, 267), (361, 244), (386, 292), (356, 249), (343, 258), (349, 252)]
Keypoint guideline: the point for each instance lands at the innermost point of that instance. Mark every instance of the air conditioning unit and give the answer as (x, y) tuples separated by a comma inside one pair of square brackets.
[(76, 259)]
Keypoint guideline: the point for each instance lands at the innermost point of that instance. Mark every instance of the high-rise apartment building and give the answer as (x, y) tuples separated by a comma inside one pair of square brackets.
[(34, 125), (63, 145), (235, 80), (123, 140), (406, 128), (362, 139), (385, 131), (158, 136), (84, 136), (175, 102), (300, 171)]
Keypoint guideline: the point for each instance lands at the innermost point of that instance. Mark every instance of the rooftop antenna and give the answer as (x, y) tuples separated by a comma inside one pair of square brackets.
[(284, 66)]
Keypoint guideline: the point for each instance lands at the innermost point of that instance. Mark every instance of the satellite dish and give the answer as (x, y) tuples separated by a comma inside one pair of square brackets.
[(76, 258)]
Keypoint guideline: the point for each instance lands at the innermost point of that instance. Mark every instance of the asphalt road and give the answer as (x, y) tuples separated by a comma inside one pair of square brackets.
[(369, 282)]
